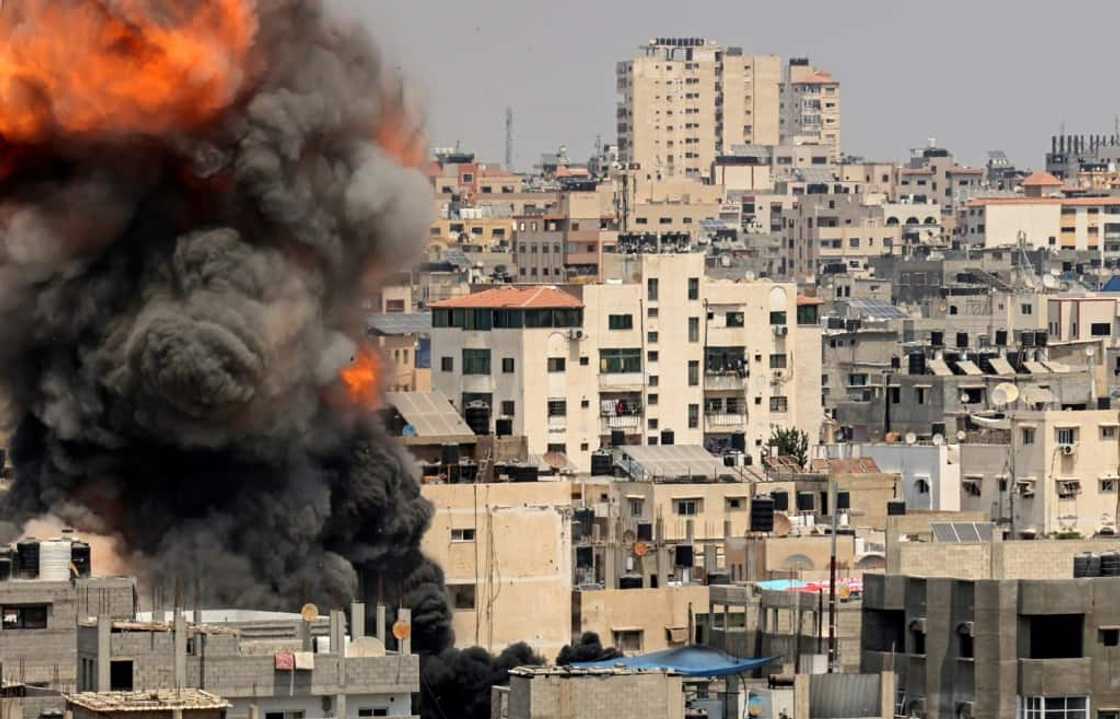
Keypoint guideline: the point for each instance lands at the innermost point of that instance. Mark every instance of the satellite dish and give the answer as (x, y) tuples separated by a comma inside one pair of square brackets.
[(1090, 352), (402, 630), (750, 277), (964, 398), (1004, 394), (961, 435), (782, 525), (309, 612), (911, 438), (1050, 282), (938, 440), (366, 647), (1054, 271)]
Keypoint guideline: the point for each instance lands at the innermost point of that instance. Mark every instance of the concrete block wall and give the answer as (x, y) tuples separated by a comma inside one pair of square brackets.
[(619, 696)]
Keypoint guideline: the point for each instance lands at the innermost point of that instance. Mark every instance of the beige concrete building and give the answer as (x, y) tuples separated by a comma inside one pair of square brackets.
[(1072, 223), (702, 359), (505, 547), (683, 101), (843, 230), (639, 620), (810, 106)]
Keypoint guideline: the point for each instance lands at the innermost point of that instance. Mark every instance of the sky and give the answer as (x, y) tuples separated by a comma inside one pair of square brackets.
[(976, 75)]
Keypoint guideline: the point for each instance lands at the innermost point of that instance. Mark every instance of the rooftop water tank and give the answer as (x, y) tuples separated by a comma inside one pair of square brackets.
[(54, 560)]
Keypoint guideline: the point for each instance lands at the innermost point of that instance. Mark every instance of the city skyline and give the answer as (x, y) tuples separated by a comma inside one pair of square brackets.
[(454, 55)]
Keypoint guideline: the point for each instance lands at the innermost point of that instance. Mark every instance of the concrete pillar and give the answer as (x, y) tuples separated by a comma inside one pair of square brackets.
[(801, 696), (338, 633), (610, 567), (381, 623), (254, 711), (104, 635), (340, 705), (405, 616), (180, 639), (887, 691), (305, 635), (357, 620), (727, 628), (197, 617), (709, 558)]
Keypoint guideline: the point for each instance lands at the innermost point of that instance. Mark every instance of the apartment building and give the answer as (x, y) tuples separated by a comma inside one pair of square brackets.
[(934, 175), (841, 230), (683, 101), (664, 354), (1058, 223), (1072, 154), (992, 649), (810, 106)]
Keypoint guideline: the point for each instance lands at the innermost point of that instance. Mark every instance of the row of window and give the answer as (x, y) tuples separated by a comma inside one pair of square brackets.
[(487, 319)]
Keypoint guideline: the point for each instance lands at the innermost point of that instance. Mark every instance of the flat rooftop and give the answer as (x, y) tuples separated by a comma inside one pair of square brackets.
[(160, 700)]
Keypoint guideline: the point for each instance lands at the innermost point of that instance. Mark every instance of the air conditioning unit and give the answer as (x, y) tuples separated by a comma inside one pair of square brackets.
[(575, 334), (1067, 450), (781, 330)]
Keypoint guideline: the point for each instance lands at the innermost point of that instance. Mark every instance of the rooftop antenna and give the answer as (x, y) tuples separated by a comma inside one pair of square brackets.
[(509, 139)]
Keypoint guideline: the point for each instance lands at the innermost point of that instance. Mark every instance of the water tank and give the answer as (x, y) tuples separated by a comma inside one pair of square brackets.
[(683, 555), (5, 565), (449, 454), (27, 556), (629, 582), (1081, 564), (81, 558), (1110, 564), (896, 507), (54, 560), (762, 514), (1094, 565), (477, 415), (601, 464), (503, 427)]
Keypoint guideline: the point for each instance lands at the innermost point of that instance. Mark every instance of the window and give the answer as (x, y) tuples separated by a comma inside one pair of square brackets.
[(1109, 636), (651, 313), (1052, 636), (120, 676), (779, 404), (557, 364), (635, 506), (28, 616), (557, 408), (462, 596), (651, 399), (693, 373), (651, 338), (920, 395), (1100, 329), (777, 361), (364, 712), (777, 318), (921, 484), (1108, 486), (651, 423), (507, 365), (687, 507), (693, 329), (651, 289), (447, 364), (1026, 309), (584, 361), (895, 394), (629, 640), (1067, 435), (693, 416), (693, 288), (462, 535), (1028, 435), (1054, 708), (653, 380), (735, 503), (652, 356), (557, 448), (508, 407), (617, 361), (734, 319), (620, 322), (918, 638), (1108, 431), (476, 361)]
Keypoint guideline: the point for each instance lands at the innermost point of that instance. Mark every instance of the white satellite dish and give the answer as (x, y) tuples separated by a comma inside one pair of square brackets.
[(961, 435), (964, 398), (1050, 282), (1004, 394), (911, 438), (1090, 352), (938, 440), (750, 277), (1054, 271)]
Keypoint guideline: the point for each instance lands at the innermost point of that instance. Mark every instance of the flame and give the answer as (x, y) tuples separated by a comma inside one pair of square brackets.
[(77, 67), (402, 138), (361, 378)]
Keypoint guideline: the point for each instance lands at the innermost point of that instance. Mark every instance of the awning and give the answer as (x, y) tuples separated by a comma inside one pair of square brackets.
[(939, 368), (1057, 367), (1036, 368), (968, 367), (1001, 366), (690, 661), (991, 422), (1038, 395)]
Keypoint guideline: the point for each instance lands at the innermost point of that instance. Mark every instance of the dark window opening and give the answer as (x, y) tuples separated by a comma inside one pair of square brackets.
[(462, 596), (120, 676), (1055, 636), (1110, 636), (884, 630)]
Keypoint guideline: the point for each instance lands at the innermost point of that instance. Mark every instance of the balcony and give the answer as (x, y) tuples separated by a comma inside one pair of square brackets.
[(557, 424), (725, 381), (623, 422), (723, 422), (621, 381), (1042, 677)]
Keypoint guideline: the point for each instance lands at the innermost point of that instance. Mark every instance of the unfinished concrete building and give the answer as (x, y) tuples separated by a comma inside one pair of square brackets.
[(988, 648)]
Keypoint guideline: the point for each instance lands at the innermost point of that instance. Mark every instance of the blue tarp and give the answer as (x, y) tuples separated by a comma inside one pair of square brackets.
[(693, 661), (781, 585), (1113, 284)]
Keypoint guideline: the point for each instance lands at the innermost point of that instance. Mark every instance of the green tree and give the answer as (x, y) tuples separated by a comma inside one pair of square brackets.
[(791, 442)]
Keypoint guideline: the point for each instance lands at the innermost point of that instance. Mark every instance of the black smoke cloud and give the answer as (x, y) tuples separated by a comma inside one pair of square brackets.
[(174, 312)]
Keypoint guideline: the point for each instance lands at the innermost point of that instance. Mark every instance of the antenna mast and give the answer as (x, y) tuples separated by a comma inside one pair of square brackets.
[(509, 139)]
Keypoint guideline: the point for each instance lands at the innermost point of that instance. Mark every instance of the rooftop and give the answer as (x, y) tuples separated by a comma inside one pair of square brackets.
[(1070, 201), (545, 297), (400, 323), (819, 78), (160, 700), (1042, 179), (429, 415)]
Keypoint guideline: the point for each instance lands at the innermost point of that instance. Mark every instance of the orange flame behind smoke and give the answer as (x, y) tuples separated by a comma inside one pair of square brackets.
[(361, 379), (73, 67), (401, 136)]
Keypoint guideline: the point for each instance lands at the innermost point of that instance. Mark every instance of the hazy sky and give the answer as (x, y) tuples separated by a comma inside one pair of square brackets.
[(977, 75)]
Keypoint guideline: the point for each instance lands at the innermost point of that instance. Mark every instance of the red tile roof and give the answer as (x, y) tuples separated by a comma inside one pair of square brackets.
[(806, 300), (859, 465), (521, 298), (819, 78), (1042, 179)]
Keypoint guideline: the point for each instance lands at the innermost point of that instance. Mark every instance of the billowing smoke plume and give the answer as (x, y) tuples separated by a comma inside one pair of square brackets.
[(194, 196)]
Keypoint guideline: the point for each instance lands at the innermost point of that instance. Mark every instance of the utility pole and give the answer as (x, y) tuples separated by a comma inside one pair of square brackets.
[(832, 659)]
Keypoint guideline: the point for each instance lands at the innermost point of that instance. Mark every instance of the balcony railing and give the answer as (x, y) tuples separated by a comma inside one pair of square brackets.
[(625, 421), (725, 381), (722, 420)]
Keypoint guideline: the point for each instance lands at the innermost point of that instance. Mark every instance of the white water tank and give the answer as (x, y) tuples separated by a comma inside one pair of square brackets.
[(54, 560)]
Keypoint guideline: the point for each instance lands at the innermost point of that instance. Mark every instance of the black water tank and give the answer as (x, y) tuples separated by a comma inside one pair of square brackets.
[(645, 532), (729, 460), (1110, 564), (5, 567), (629, 582), (449, 454), (80, 557), (896, 507), (1094, 565), (618, 438), (525, 473), (1081, 564), (682, 555), (477, 415), (468, 472), (454, 473), (601, 464), (503, 427), (720, 576), (916, 363), (739, 442), (666, 436), (27, 554), (762, 514)]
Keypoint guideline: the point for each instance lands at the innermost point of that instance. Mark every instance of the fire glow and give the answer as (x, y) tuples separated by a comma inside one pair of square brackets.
[(99, 73), (361, 379)]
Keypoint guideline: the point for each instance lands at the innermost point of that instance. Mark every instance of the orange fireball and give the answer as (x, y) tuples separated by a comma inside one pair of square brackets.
[(361, 379), (75, 67)]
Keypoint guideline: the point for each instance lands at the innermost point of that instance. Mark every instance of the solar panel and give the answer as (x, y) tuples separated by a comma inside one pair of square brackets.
[(400, 323), (966, 532), (875, 308), (962, 532), (985, 530), (943, 532)]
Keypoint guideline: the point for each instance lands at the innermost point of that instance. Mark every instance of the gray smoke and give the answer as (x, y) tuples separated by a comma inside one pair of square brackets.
[(174, 311)]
